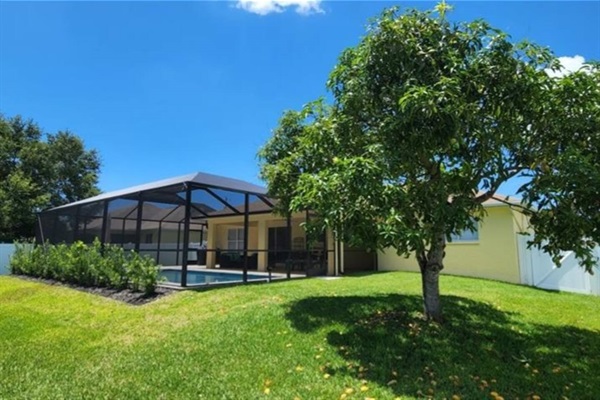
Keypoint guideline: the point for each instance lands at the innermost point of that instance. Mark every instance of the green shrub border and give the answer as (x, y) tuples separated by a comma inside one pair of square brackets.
[(93, 265)]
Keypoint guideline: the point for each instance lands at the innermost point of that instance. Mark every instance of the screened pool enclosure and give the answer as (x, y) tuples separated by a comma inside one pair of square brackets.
[(179, 222)]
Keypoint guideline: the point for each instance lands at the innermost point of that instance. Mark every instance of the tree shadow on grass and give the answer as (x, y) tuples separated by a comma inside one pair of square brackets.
[(478, 351)]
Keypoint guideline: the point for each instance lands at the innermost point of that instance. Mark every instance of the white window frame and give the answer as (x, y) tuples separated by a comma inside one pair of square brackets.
[(466, 236), (237, 241)]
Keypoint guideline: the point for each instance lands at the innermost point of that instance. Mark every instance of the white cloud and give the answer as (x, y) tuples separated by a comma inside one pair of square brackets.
[(264, 7), (568, 65)]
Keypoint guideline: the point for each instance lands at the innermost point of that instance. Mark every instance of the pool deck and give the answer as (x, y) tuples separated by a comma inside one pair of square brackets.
[(275, 276)]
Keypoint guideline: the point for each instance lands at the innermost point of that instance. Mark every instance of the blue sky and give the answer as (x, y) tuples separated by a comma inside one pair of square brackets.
[(162, 89)]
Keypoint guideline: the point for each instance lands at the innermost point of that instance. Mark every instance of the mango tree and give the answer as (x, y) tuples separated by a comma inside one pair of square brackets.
[(428, 118)]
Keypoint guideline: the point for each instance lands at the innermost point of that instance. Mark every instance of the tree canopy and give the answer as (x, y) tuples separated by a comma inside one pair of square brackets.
[(38, 171), (429, 117)]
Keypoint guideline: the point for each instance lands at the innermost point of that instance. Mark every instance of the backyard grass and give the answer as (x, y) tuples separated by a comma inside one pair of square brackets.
[(355, 338)]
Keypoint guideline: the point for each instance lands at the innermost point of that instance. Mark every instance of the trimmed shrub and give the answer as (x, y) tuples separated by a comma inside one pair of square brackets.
[(87, 265), (22, 259), (142, 273)]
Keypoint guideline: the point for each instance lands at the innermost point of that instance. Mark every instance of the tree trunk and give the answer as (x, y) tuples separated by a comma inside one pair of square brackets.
[(431, 294), (431, 265)]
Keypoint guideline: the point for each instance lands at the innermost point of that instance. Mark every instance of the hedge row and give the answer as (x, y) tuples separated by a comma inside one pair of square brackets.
[(87, 265)]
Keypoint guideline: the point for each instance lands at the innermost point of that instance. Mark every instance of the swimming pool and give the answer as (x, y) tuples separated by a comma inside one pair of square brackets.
[(208, 277)]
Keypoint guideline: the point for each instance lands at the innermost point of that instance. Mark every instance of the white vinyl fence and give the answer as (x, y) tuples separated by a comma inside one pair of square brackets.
[(6, 250), (537, 269)]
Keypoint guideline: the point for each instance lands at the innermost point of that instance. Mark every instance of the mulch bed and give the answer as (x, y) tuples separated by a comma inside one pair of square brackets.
[(126, 295)]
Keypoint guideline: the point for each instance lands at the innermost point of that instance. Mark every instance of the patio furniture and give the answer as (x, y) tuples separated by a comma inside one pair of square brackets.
[(201, 256), (235, 260)]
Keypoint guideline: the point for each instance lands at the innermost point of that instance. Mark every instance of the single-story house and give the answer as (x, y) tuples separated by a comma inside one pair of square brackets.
[(491, 251), (220, 222)]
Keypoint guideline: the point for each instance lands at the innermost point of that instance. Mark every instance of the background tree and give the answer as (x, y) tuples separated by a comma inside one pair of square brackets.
[(39, 171), (429, 118)]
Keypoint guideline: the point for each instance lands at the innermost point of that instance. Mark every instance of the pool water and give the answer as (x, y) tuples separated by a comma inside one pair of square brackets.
[(206, 277)]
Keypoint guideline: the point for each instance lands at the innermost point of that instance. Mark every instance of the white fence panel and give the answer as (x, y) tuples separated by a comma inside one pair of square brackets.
[(6, 250), (538, 269)]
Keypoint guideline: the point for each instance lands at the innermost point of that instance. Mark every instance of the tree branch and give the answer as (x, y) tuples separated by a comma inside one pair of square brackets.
[(496, 185), (514, 204)]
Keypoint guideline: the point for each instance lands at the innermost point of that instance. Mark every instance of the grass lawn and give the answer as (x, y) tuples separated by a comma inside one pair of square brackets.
[(354, 338)]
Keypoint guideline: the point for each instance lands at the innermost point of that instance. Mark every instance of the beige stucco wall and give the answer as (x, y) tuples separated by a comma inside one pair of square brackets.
[(493, 256), (259, 225)]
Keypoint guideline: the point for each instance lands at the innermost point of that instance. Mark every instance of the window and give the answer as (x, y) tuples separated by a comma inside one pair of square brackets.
[(466, 236), (235, 239)]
